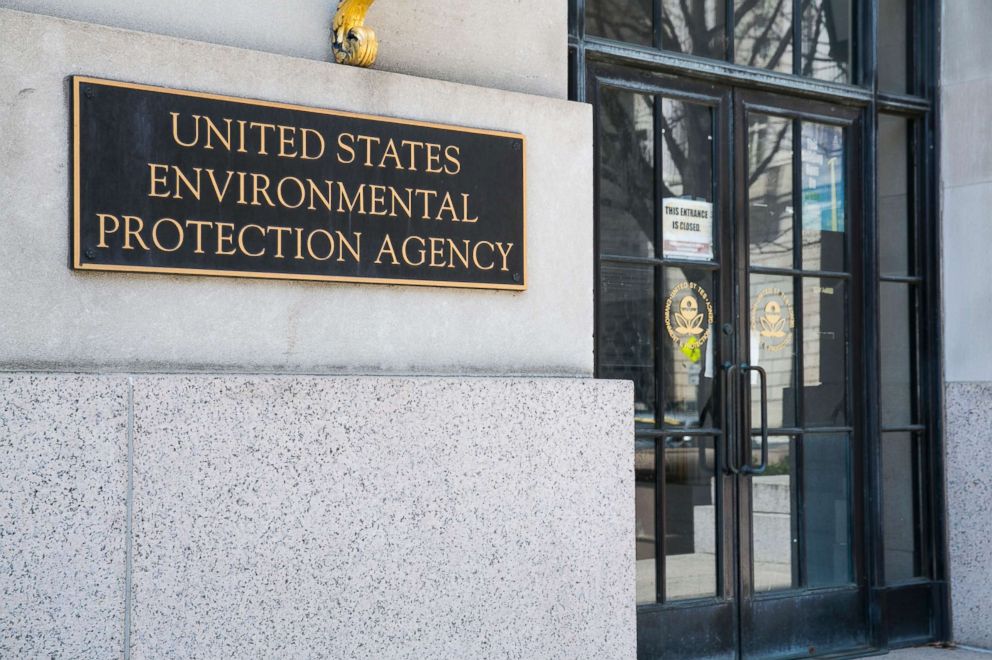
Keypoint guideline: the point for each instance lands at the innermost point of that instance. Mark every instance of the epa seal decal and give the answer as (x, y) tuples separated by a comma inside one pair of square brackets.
[(689, 318), (773, 319)]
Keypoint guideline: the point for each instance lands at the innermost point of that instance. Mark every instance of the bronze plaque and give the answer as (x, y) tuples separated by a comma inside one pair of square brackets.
[(171, 181)]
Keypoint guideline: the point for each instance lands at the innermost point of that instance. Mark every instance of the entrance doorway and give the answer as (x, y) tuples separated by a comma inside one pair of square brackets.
[(754, 478), (765, 288)]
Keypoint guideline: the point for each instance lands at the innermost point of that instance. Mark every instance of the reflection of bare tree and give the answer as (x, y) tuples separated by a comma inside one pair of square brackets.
[(770, 158), (763, 28), (743, 8), (826, 39), (627, 156), (693, 26), (811, 33), (623, 20), (687, 131), (763, 34), (686, 26), (763, 31), (625, 344), (758, 169)]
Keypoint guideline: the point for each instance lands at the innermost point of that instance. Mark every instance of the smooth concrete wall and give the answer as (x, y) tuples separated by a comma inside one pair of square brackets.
[(966, 163), (966, 174), (55, 318), (300, 517), (506, 45)]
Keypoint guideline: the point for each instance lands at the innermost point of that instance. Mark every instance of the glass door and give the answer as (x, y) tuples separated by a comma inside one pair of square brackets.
[(729, 296), (666, 303), (795, 451)]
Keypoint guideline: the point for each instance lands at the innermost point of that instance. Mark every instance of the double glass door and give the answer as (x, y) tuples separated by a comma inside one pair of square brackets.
[(729, 292)]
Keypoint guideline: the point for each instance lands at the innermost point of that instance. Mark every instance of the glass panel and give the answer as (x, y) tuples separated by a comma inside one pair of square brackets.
[(763, 34), (773, 522), (644, 520), (687, 176), (825, 349), (690, 518), (893, 54), (823, 181), (827, 30), (900, 493), (827, 509), (773, 346), (897, 354), (626, 333), (696, 28), (770, 206), (626, 184), (623, 20), (893, 195), (687, 349)]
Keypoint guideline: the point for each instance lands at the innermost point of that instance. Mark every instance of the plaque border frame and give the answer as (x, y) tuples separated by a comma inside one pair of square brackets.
[(78, 264)]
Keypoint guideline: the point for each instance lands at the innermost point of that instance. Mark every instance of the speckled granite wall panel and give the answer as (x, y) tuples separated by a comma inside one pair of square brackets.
[(356, 517), (63, 484), (969, 503)]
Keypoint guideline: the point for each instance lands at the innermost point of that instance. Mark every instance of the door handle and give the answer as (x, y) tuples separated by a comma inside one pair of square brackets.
[(729, 464), (763, 377)]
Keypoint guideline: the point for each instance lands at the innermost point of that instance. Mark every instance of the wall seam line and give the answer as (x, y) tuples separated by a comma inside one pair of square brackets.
[(128, 527), (947, 186)]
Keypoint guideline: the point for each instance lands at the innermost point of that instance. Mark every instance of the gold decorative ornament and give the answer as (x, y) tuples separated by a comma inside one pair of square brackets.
[(773, 323), (773, 319), (351, 41), (690, 326), (689, 320)]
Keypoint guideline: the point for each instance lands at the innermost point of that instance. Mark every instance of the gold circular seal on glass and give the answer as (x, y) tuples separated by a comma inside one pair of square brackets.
[(772, 319), (688, 316)]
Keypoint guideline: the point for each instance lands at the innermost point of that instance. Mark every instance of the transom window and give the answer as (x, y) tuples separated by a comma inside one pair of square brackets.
[(818, 39)]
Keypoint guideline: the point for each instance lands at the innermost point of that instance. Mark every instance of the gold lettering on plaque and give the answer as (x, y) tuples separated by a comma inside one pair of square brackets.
[(413, 238)]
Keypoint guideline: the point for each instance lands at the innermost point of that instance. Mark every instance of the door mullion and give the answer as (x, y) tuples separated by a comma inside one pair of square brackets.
[(661, 459), (722, 154), (741, 498), (799, 569)]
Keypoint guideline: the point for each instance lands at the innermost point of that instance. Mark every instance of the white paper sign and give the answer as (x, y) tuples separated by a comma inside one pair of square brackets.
[(688, 229)]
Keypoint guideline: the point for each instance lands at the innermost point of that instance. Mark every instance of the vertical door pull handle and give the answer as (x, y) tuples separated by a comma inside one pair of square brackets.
[(729, 462), (763, 377)]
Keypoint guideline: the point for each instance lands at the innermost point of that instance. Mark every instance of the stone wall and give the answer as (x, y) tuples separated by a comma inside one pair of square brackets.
[(504, 45), (966, 170), (290, 517)]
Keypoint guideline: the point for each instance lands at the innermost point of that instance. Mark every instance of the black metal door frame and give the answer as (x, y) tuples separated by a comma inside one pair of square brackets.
[(803, 621), (708, 624), (900, 614)]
